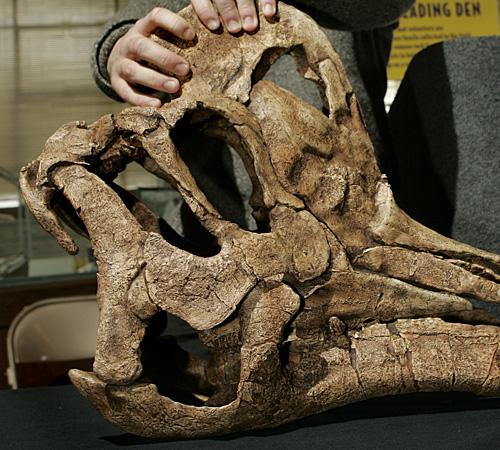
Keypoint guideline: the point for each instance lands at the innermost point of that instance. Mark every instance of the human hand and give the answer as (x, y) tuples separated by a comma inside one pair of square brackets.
[(235, 14), (126, 66)]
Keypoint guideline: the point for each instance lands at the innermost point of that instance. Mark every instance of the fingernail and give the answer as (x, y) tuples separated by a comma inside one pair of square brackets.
[(233, 26), (154, 103), (213, 24), (182, 69), (171, 85), (249, 22), (189, 34), (269, 9)]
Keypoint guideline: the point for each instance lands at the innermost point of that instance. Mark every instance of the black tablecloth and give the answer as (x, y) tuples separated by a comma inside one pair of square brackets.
[(59, 418)]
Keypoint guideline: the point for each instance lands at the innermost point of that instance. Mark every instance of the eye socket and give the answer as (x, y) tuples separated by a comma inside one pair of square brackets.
[(212, 164), (208, 145)]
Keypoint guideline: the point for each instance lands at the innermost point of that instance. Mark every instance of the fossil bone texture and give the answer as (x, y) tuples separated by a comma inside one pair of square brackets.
[(341, 298)]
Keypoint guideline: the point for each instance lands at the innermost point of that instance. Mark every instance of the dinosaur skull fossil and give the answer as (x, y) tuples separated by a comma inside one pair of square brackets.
[(342, 298)]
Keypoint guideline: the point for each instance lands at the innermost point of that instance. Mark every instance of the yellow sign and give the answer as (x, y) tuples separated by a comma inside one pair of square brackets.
[(428, 22)]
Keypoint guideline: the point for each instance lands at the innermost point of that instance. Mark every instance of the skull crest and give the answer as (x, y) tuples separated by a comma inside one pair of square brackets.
[(342, 298)]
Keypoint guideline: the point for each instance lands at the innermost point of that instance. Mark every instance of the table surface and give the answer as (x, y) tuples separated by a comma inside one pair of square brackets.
[(59, 418)]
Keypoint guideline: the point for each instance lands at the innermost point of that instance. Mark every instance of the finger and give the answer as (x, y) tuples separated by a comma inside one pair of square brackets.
[(268, 7), (248, 14), (132, 96), (207, 13), (168, 20), (134, 73), (229, 13), (143, 48)]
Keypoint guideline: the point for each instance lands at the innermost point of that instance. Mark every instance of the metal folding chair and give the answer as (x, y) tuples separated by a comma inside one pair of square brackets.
[(55, 330)]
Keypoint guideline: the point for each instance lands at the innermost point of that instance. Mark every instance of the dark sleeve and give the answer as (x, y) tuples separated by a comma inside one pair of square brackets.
[(354, 14), (116, 28)]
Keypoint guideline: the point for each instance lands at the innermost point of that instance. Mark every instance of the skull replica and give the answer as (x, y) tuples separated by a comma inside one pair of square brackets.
[(342, 298)]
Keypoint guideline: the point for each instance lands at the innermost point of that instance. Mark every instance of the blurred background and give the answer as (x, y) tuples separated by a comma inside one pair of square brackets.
[(45, 82)]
